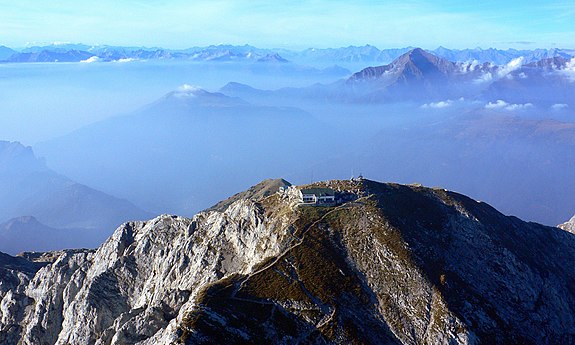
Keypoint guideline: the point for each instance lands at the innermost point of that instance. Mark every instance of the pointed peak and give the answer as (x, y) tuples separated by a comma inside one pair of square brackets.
[(273, 57), (413, 55), (417, 55), (419, 52), (416, 50), (28, 221)]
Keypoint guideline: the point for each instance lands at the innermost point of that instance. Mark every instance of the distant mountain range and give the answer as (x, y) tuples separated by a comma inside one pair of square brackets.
[(80, 53), (477, 127), (42, 210), (422, 77), (546, 83), (191, 137), (416, 74), (366, 55), (6, 52), (50, 56)]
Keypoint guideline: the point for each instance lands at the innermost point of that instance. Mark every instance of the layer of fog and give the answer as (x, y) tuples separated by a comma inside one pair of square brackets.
[(180, 156), (40, 101)]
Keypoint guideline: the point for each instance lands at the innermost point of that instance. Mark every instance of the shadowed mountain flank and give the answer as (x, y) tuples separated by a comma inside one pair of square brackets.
[(386, 263)]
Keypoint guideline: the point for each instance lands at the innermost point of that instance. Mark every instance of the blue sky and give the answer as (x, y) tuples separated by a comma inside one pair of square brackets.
[(291, 24)]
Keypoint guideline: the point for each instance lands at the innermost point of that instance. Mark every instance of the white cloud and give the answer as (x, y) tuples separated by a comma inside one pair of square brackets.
[(559, 106), (469, 66), (502, 105), (126, 60), (502, 72), (91, 59), (519, 106), (188, 91), (569, 70), (438, 105), (497, 105), (510, 67), (189, 88), (485, 78)]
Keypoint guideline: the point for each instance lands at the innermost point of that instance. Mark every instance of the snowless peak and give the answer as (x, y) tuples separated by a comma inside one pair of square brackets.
[(416, 51), (275, 57), (24, 220), (419, 57), (422, 64), (16, 157)]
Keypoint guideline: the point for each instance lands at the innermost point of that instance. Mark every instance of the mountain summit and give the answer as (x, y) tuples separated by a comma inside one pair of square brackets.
[(417, 64), (387, 263), (415, 74)]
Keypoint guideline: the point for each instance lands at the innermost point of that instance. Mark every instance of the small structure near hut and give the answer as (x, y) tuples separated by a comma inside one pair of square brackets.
[(321, 195), (318, 197)]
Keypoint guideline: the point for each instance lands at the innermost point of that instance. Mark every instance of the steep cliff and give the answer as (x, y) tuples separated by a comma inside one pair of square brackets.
[(393, 264)]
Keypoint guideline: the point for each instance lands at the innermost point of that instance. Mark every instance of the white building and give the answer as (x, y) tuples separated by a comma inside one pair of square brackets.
[(318, 196)]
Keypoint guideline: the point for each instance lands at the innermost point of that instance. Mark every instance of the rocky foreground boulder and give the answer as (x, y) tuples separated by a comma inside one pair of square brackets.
[(392, 264)]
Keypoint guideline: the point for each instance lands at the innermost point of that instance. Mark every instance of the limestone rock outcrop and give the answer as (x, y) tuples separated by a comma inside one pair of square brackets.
[(568, 225), (398, 264)]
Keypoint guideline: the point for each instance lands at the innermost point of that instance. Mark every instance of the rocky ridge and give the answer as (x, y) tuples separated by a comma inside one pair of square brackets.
[(397, 264), (568, 226), (352, 54)]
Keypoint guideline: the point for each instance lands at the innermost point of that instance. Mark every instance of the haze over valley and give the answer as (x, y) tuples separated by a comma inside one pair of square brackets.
[(156, 130), (502, 133), (322, 172)]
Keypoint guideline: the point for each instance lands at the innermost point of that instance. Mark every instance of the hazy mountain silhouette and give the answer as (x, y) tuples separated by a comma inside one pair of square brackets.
[(180, 143), (29, 188)]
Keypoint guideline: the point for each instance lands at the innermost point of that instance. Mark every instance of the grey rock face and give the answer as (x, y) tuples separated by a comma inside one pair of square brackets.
[(15, 275), (398, 264), (135, 284), (569, 225)]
